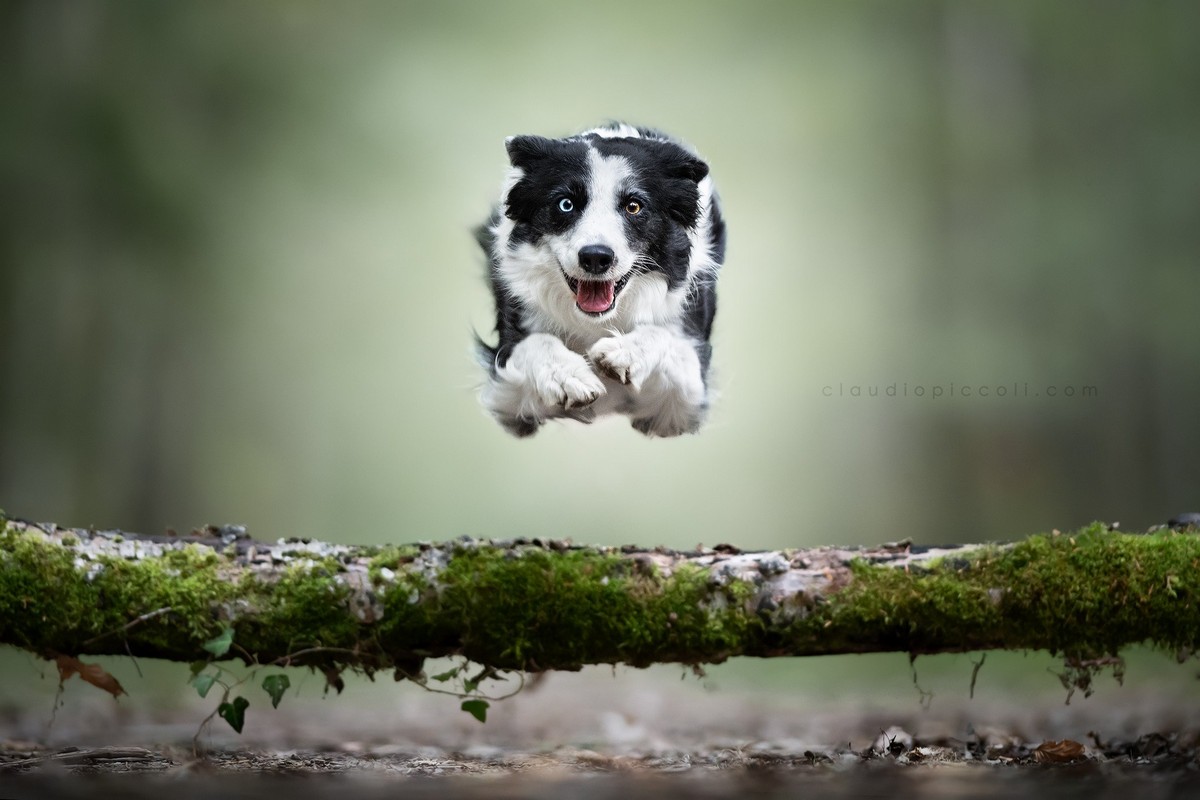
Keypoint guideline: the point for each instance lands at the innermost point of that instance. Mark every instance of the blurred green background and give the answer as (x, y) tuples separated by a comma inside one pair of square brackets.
[(238, 284)]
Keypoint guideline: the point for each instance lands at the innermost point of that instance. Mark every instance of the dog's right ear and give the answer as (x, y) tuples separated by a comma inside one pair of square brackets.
[(524, 150)]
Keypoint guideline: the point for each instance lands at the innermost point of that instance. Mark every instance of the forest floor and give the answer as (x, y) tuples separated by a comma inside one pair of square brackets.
[(606, 735)]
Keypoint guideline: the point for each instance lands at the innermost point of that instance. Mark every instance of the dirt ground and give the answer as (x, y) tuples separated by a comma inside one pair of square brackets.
[(1154, 767), (602, 734)]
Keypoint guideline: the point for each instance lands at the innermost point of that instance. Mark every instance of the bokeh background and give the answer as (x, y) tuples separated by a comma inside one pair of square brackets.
[(238, 283)]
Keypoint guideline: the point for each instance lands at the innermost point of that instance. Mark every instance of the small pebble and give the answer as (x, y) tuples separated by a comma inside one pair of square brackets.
[(1191, 519)]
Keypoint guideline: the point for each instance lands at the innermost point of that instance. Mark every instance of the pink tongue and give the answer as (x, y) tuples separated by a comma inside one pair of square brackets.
[(595, 296)]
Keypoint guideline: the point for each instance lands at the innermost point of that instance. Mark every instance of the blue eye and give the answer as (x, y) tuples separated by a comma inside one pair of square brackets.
[(566, 206)]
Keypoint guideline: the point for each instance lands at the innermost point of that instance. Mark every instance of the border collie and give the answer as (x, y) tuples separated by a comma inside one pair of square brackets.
[(604, 255)]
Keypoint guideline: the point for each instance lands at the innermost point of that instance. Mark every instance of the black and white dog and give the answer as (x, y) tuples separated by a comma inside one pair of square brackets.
[(604, 258)]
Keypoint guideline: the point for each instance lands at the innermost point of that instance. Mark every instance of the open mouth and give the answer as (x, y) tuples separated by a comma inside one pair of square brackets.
[(596, 297)]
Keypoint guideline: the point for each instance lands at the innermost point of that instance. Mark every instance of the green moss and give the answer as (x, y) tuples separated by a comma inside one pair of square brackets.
[(391, 557), (1084, 594), (48, 603), (305, 608), (92, 604), (536, 609)]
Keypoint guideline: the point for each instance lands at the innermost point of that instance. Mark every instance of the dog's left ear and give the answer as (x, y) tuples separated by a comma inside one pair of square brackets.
[(682, 192), (691, 168), (679, 162)]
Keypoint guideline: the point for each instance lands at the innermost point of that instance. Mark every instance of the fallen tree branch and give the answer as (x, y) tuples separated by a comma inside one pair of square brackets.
[(541, 605)]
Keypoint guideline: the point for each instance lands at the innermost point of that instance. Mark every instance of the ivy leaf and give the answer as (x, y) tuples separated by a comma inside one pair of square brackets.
[(276, 685), (197, 667), (219, 645), (470, 685), (476, 708), (202, 683), (442, 677), (234, 713)]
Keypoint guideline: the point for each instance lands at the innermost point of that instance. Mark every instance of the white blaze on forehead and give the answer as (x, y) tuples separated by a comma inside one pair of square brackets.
[(609, 178), (619, 131), (602, 221)]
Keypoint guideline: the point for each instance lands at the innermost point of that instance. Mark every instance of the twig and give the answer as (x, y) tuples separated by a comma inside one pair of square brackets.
[(149, 615), (91, 754), (975, 673), (286, 661)]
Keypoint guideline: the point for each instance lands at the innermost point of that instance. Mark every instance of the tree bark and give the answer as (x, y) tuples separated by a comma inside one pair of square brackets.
[(540, 605)]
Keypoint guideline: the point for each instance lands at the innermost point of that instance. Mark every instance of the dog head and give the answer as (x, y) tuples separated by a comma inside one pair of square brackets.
[(600, 220)]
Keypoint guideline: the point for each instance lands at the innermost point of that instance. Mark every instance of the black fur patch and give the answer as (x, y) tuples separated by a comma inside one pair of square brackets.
[(509, 326)]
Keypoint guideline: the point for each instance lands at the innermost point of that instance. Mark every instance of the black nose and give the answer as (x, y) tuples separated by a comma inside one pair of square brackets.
[(596, 258)]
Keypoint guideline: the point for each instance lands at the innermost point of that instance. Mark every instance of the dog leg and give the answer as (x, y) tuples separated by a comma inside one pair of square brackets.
[(542, 379), (664, 372)]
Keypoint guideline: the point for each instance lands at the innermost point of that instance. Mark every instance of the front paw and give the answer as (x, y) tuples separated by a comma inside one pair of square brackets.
[(568, 383), (618, 359)]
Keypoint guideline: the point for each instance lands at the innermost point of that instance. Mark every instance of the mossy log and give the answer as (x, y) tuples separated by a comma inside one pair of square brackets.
[(552, 605)]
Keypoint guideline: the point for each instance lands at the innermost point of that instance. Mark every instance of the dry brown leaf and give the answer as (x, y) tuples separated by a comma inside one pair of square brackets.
[(1052, 752), (92, 673)]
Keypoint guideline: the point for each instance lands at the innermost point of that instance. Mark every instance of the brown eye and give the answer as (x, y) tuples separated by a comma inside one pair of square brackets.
[(633, 207)]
